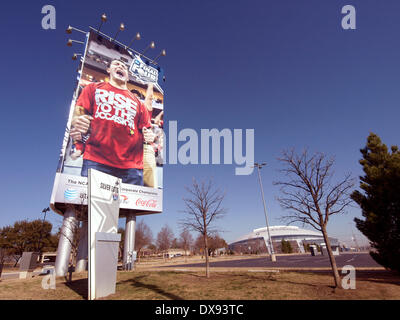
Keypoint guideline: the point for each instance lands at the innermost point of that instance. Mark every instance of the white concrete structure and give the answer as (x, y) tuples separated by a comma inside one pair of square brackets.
[(288, 233)]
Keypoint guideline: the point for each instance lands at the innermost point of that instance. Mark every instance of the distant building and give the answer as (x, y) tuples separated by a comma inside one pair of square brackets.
[(171, 253), (258, 241)]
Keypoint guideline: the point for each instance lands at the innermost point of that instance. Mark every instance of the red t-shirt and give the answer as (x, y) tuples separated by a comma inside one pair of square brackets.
[(116, 137)]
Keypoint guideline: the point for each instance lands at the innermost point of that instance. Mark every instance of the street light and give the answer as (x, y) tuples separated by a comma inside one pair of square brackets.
[(45, 210), (259, 166)]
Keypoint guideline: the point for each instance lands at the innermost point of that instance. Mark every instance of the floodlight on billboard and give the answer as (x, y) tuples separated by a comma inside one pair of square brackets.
[(114, 126)]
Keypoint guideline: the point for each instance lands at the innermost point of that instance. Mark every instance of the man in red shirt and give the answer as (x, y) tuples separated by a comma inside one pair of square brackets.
[(118, 126)]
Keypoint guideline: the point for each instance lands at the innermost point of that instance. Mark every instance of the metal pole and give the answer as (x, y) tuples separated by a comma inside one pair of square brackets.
[(354, 237), (41, 229), (273, 258), (82, 255), (65, 242), (129, 245)]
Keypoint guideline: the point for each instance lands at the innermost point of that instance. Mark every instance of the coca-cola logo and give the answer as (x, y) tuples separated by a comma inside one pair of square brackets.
[(146, 203)]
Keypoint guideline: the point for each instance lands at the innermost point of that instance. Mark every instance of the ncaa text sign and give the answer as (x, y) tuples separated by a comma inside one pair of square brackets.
[(104, 191)]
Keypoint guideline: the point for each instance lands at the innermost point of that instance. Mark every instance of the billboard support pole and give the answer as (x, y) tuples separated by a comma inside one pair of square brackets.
[(82, 255), (129, 245), (65, 242)]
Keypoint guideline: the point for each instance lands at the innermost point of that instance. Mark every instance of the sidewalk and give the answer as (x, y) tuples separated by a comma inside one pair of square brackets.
[(15, 274)]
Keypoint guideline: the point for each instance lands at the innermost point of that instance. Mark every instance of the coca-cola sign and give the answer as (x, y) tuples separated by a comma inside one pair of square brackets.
[(146, 203)]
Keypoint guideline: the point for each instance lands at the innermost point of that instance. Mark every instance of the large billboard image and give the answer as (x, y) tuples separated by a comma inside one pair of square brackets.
[(115, 125)]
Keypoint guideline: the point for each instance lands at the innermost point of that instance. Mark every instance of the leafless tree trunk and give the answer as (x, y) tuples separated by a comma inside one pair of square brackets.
[(186, 241), (143, 237), (203, 207), (311, 196), (164, 239)]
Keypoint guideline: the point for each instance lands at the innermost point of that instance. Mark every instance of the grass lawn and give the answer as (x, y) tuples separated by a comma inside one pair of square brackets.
[(145, 285)]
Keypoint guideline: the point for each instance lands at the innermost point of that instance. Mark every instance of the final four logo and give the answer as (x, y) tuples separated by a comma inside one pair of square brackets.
[(143, 71)]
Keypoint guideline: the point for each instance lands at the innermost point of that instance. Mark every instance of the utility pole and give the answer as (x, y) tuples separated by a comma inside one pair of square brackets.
[(259, 166), (354, 237)]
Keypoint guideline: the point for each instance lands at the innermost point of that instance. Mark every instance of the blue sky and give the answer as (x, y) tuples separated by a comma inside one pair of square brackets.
[(283, 68)]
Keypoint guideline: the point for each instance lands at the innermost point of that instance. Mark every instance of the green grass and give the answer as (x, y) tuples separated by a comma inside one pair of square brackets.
[(145, 285)]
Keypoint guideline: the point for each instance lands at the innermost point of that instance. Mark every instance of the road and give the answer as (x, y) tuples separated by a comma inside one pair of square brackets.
[(306, 261), (357, 260)]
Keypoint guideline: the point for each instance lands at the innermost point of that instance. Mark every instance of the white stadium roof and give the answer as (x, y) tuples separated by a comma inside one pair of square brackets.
[(280, 231)]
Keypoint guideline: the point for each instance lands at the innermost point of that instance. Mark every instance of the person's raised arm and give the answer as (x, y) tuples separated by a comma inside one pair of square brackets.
[(157, 119), (81, 117), (80, 121), (148, 101)]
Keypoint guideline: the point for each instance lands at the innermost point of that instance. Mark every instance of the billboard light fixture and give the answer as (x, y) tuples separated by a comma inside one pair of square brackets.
[(75, 56), (121, 28), (137, 37), (162, 53), (152, 45), (105, 36), (70, 41), (70, 28), (103, 18)]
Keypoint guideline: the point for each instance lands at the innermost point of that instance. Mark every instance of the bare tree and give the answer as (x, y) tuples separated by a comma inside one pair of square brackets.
[(143, 237), (164, 238), (203, 207), (198, 245), (175, 244), (186, 241), (216, 242), (310, 194), (121, 244), (2, 258)]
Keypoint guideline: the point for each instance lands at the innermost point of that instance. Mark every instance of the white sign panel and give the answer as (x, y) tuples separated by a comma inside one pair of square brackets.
[(73, 189), (104, 191)]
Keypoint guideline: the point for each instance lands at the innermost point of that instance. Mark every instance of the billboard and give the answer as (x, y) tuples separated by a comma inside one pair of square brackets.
[(115, 125)]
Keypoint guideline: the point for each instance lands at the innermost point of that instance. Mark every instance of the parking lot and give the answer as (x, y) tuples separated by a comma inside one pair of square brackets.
[(357, 260)]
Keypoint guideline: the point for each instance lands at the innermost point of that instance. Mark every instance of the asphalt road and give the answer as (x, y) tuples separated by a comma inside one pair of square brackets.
[(357, 260)]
